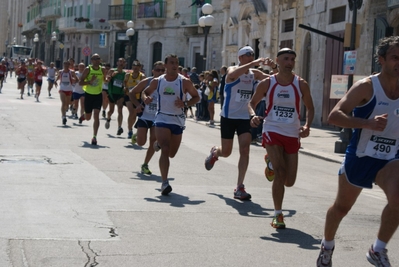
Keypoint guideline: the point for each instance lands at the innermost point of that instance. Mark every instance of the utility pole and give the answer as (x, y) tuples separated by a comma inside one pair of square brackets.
[(346, 134)]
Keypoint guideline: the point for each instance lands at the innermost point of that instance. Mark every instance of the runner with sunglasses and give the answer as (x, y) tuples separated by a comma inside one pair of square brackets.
[(145, 122), (239, 87)]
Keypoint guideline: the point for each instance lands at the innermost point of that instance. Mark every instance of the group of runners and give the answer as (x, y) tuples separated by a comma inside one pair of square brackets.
[(159, 102)]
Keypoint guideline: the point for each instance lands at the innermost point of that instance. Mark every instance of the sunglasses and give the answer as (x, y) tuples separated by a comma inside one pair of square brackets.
[(159, 70), (95, 58), (249, 54)]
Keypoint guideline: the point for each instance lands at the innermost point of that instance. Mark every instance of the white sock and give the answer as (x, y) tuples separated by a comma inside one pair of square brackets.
[(277, 212), (379, 246), (328, 244)]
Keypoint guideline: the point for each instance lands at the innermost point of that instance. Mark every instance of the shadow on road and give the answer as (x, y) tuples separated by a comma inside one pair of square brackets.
[(294, 236), (152, 177), (89, 145), (247, 208), (175, 200)]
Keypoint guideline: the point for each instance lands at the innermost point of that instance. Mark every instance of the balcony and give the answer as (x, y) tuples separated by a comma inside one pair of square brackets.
[(92, 26), (29, 26), (151, 10), (120, 13), (67, 24), (51, 12)]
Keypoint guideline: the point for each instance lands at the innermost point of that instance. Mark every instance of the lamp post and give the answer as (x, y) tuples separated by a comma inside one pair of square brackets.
[(36, 41), (53, 40), (24, 40), (206, 22), (130, 33), (14, 40)]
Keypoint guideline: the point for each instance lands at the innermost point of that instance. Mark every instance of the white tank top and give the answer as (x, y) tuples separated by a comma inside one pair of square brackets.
[(65, 81), (168, 92), (236, 97), (376, 144), (282, 108), (78, 88), (51, 73)]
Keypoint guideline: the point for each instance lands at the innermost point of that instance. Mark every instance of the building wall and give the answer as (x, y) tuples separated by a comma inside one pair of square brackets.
[(3, 26)]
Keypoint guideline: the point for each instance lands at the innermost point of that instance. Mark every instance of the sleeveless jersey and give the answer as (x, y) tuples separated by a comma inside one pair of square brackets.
[(78, 88), (168, 92), (22, 72), (31, 69), (115, 85), (132, 82), (282, 108), (3, 70), (39, 74), (150, 109), (51, 73), (65, 81), (380, 145), (236, 97), (96, 87)]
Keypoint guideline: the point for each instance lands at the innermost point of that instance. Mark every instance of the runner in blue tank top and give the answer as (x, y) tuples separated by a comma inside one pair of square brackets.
[(371, 108)]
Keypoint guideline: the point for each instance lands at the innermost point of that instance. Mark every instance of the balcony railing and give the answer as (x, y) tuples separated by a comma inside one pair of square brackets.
[(151, 10), (66, 23), (121, 12), (53, 12), (29, 26), (92, 25)]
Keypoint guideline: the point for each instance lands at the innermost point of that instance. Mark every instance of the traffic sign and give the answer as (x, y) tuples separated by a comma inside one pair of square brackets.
[(86, 51)]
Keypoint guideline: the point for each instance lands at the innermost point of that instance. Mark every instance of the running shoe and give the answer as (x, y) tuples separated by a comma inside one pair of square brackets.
[(211, 159), (94, 141), (379, 259), (278, 222), (75, 116), (241, 194), (165, 188), (28, 92), (120, 131), (64, 120), (156, 146), (129, 134), (145, 169), (325, 257), (134, 139), (104, 115), (81, 118), (107, 123), (269, 173)]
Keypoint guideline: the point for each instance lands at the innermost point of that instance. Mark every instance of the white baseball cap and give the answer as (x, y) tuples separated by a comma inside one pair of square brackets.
[(244, 50)]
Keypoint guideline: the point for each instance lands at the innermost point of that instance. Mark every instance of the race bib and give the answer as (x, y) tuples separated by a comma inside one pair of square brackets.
[(152, 108), (39, 77), (1, 72), (283, 114), (118, 83), (381, 147), (243, 95), (21, 76)]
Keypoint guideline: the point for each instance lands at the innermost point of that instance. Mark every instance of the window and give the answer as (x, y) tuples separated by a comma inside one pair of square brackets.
[(288, 25), (338, 14), (286, 44)]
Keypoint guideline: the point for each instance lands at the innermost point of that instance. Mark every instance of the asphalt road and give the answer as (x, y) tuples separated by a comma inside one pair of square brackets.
[(65, 202)]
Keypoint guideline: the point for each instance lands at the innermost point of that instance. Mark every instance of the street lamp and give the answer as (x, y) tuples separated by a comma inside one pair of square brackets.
[(24, 40), (14, 40), (36, 40), (53, 39), (206, 22), (130, 33)]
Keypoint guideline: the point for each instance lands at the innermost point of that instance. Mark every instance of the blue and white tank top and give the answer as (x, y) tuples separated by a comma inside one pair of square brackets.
[(150, 109), (380, 145), (237, 95)]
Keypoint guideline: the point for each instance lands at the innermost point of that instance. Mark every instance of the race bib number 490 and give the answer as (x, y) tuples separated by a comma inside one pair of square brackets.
[(381, 147)]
